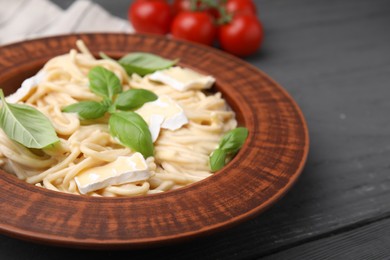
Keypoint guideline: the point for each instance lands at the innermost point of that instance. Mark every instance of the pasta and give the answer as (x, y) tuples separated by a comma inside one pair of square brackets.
[(181, 157)]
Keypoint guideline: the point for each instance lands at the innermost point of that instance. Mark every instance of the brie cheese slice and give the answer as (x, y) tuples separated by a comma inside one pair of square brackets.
[(182, 79), (124, 169), (154, 123), (162, 113)]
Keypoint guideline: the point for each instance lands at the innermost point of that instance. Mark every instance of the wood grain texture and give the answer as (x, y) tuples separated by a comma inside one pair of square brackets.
[(265, 168), (369, 241)]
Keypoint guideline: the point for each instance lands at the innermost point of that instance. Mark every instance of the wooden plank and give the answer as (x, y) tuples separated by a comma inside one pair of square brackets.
[(367, 242)]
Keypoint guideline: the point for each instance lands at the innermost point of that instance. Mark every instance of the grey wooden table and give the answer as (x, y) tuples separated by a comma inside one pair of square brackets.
[(334, 58)]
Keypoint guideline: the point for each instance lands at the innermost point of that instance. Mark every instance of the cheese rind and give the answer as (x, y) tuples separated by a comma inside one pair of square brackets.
[(154, 123), (27, 86), (162, 113), (125, 169), (182, 79)]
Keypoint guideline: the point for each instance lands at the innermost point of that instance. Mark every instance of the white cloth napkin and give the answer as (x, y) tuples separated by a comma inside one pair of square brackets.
[(27, 19)]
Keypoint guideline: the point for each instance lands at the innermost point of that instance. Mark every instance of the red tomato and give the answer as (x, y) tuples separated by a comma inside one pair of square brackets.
[(242, 36), (153, 16), (185, 5), (194, 26), (180, 6), (241, 7)]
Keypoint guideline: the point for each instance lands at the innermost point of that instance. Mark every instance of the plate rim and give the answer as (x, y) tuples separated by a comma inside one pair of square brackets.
[(161, 240)]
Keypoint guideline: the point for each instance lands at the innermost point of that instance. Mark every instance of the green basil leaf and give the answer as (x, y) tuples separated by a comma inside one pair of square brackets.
[(217, 160), (134, 98), (229, 145), (104, 82), (87, 109), (26, 125), (143, 63), (112, 109), (233, 140), (132, 131)]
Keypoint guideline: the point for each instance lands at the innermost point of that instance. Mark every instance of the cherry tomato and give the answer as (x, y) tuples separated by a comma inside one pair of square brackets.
[(194, 26), (153, 16), (185, 5), (241, 7), (180, 6), (242, 36)]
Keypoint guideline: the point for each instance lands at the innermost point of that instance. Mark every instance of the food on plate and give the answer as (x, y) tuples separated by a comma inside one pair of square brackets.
[(84, 125)]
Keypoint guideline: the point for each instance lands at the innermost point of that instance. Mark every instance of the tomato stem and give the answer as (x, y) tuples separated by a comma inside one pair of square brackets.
[(219, 5), (225, 17), (193, 6)]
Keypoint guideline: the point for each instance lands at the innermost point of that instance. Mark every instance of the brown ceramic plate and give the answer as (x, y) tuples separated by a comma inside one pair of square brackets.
[(265, 168)]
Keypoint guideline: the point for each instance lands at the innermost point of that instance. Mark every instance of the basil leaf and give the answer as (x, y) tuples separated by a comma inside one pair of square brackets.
[(217, 160), (132, 131), (233, 140), (104, 82), (229, 145), (26, 125), (143, 63), (134, 98), (87, 109)]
